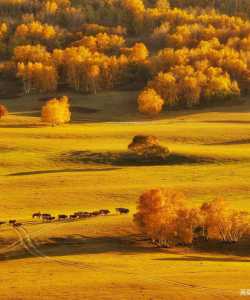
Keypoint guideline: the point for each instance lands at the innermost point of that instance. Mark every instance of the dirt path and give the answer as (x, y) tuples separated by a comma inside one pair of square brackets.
[(18, 242), (30, 246), (33, 223)]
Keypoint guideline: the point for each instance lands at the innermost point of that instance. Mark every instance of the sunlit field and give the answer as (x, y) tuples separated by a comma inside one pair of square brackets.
[(105, 257)]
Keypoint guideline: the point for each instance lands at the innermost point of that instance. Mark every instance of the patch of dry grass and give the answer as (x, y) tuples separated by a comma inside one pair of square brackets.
[(34, 177)]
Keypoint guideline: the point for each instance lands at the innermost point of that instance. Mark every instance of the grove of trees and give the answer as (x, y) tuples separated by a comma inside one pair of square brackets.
[(176, 57), (168, 220)]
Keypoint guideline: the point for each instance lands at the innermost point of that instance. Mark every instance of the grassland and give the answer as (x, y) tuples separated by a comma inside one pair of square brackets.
[(104, 258)]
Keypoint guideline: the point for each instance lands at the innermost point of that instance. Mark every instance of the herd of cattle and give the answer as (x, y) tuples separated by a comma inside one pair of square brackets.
[(45, 217)]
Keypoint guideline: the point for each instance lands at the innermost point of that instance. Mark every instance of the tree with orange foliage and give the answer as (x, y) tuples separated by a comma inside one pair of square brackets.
[(3, 30), (135, 15), (38, 76), (165, 84), (139, 52), (93, 73), (164, 217), (56, 111), (32, 53), (102, 42), (3, 111), (149, 102), (222, 223), (35, 31), (149, 148), (51, 7)]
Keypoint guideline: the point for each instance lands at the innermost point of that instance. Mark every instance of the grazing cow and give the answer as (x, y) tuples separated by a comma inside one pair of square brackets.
[(104, 212), (73, 217), (1, 223), (86, 214), (48, 218), (83, 214), (36, 215), (45, 215), (78, 214), (17, 224), (62, 217), (122, 210), (95, 213), (12, 222)]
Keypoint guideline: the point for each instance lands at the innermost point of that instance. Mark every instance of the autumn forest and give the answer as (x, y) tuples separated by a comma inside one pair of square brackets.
[(124, 149), (177, 57)]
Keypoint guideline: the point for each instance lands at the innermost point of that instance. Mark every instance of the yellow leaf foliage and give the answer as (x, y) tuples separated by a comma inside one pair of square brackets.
[(56, 111), (149, 102)]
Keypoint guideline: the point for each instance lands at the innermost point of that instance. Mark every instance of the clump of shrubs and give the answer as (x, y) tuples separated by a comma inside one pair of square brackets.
[(148, 148), (166, 218), (3, 111)]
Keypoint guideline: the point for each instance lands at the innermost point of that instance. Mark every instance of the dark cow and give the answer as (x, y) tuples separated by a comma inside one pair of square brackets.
[(95, 213), (83, 214), (12, 222), (45, 215), (73, 217), (122, 210), (78, 214), (62, 217), (48, 218), (1, 223), (104, 212), (17, 224), (36, 215), (86, 214)]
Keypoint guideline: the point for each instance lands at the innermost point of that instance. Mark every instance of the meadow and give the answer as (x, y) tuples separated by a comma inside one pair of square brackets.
[(104, 257)]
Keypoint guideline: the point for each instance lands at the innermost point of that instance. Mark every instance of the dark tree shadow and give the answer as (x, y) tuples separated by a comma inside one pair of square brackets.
[(234, 142), (83, 110), (130, 159), (203, 258), (62, 171), (21, 125), (79, 244), (241, 248), (124, 245)]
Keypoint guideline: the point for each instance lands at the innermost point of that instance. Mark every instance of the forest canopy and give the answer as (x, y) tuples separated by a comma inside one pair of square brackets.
[(177, 55)]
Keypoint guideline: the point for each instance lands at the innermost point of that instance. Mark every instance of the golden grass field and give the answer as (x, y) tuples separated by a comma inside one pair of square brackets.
[(104, 257)]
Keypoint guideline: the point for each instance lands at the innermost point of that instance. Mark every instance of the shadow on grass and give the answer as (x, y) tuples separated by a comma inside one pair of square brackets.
[(79, 244), (21, 125), (234, 142), (84, 110), (130, 159), (241, 248), (124, 245), (62, 171), (203, 258)]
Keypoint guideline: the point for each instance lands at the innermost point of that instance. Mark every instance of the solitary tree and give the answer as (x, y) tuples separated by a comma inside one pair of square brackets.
[(56, 111), (3, 111), (149, 102), (148, 147)]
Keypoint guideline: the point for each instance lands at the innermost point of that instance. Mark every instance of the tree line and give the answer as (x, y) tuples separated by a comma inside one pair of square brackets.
[(165, 216), (177, 57)]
